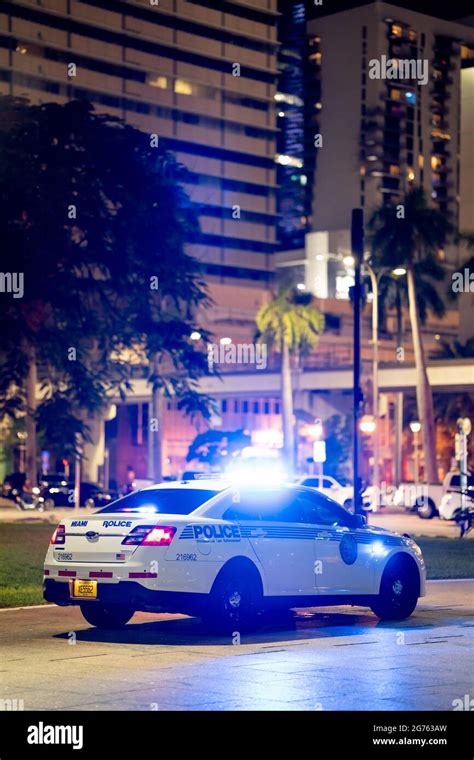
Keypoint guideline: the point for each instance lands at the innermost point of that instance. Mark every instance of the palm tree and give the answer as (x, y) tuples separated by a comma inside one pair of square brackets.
[(291, 325), (455, 350), (409, 235)]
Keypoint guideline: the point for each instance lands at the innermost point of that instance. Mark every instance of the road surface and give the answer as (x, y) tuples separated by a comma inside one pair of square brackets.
[(331, 659)]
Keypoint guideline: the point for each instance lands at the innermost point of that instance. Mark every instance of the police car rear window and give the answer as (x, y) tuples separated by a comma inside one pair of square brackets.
[(169, 501)]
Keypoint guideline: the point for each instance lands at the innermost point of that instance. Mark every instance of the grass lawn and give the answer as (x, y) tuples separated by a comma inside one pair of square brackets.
[(22, 552), (23, 548), (447, 557)]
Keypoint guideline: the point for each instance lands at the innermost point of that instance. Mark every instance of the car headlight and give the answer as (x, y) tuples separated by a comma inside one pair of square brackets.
[(413, 546)]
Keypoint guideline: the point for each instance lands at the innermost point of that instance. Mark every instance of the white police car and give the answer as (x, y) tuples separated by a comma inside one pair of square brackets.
[(226, 554)]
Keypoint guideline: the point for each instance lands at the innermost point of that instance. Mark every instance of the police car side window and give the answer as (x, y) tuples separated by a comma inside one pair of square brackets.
[(274, 506), (310, 482), (322, 511)]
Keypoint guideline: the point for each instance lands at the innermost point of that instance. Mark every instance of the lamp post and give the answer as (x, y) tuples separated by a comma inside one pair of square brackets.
[(415, 428), (375, 278)]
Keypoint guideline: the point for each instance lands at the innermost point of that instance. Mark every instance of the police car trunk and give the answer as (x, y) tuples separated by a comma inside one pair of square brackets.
[(124, 545)]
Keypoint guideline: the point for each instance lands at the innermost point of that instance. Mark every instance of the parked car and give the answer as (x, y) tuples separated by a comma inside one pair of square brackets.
[(451, 506), (330, 487), (60, 493), (425, 498), (228, 554)]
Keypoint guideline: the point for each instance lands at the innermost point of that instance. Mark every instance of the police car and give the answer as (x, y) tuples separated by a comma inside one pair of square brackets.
[(227, 554)]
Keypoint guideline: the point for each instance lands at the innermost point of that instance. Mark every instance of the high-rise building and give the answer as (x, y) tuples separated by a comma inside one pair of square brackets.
[(391, 94), (297, 111), (199, 74)]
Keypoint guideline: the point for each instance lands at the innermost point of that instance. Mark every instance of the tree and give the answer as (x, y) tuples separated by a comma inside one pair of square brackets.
[(455, 349), (94, 219), (291, 325), (410, 235), (338, 436), (216, 447)]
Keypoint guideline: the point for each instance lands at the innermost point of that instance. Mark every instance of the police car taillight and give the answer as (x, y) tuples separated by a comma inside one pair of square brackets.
[(151, 535), (59, 535)]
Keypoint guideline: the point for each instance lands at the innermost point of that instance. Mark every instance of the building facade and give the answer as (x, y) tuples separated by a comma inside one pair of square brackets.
[(200, 75), (395, 85)]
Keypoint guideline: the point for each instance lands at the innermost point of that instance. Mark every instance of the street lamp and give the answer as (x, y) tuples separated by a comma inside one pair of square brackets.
[(375, 278), (368, 424), (415, 427)]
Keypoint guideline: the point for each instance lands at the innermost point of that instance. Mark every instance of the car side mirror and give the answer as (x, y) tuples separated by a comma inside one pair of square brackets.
[(358, 521)]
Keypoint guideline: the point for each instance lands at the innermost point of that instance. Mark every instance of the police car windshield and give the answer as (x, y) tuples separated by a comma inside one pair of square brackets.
[(166, 501)]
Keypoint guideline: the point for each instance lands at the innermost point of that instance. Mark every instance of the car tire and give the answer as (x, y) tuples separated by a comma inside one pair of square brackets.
[(426, 509), (399, 591), (234, 602), (106, 617)]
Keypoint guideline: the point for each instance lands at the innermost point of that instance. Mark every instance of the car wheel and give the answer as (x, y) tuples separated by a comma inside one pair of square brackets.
[(234, 602), (399, 591), (114, 616), (426, 509)]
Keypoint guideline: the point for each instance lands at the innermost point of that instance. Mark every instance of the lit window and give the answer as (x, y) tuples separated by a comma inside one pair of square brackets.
[(362, 171), (440, 135), (412, 35), (394, 170), (292, 100), (441, 254), (435, 162), (396, 30), (22, 49), (410, 175), (285, 160), (395, 94), (421, 161), (156, 81), (181, 87), (316, 58)]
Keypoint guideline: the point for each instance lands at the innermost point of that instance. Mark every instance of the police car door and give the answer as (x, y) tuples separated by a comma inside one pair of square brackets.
[(343, 558), (273, 521)]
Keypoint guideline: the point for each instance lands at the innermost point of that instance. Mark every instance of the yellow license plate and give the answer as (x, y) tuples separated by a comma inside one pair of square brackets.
[(84, 589)]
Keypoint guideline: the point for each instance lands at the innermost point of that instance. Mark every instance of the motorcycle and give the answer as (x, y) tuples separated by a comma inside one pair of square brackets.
[(465, 520)]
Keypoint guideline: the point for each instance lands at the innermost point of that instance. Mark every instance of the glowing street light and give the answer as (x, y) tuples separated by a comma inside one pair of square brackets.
[(195, 335), (367, 424), (415, 427)]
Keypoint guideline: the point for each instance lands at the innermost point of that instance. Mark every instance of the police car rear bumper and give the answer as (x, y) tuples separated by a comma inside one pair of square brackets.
[(128, 593)]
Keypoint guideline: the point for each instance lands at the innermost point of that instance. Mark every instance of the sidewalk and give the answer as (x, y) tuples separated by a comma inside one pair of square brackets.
[(9, 513)]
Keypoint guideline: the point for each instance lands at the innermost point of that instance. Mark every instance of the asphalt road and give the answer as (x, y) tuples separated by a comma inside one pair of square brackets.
[(330, 659)]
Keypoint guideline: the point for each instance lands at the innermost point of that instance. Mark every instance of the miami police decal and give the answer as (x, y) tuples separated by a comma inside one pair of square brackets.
[(212, 534), (348, 549)]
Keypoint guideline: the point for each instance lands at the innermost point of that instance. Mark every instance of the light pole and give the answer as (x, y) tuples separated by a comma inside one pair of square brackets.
[(375, 278), (415, 428)]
